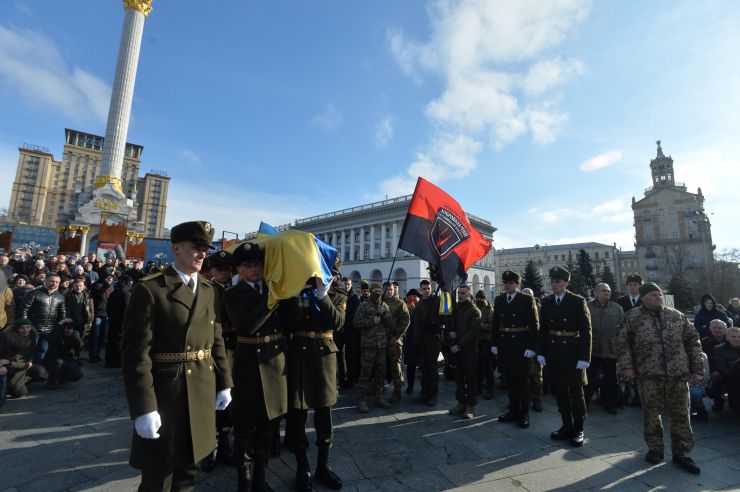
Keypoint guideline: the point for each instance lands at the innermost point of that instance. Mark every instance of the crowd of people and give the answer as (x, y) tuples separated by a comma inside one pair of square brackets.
[(357, 339)]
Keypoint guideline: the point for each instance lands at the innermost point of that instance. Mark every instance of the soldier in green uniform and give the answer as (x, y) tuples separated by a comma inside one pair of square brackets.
[(463, 336), (261, 386), (312, 376), (219, 265), (400, 317), (564, 345), (485, 357), (373, 320), (174, 362), (514, 341)]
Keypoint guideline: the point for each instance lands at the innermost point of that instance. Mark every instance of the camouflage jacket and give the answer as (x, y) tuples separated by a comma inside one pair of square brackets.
[(373, 334), (400, 316), (486, 321), (659, 344)]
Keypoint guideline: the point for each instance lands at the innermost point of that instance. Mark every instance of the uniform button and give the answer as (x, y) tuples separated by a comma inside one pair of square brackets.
[(258, 351), (188, 372), (276, 346), (210, 367), (211, 321), (304, 347)]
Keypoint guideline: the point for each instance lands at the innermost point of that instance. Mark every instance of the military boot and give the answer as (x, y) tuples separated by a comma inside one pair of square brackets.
[(457, 409), (576, 438), (381, 403), (524, 415), (362, 406), (225, 454), (324, 473), (565, 431), (259, 484), (469, 412), (275, 442), (396, 396), (244, 477), (208, 463), (303, 480)]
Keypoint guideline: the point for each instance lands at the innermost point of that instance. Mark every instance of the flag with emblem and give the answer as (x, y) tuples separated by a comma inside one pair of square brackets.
[(437, 230)]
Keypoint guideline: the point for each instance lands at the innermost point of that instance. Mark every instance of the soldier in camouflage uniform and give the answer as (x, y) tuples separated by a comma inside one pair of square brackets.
[(401, 319), (373, 320), (486, 359), (658, 346)]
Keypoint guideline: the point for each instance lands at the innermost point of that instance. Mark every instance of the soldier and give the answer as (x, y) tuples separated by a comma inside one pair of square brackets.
[(261, 387), (632, 298), (564, 345), (373, 320), (174, 362), (312, 376), (401, 319), (364, 290), (219, 267), (429, 336), (485, 357), (514, 341), (535, 382), (659, 347), (463, 337)]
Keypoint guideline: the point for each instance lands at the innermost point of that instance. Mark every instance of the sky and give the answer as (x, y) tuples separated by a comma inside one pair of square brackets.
[(541, 117)]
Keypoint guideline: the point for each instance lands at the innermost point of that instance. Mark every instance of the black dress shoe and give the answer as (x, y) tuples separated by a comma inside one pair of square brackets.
[(508, 417), (524, 421), (654, 457), (577, 439), (327, 476), (303, 481), (687, 464), (562, 433)]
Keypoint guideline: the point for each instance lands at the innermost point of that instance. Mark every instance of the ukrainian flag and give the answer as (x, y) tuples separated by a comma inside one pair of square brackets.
[(266, 230), (445, 303)]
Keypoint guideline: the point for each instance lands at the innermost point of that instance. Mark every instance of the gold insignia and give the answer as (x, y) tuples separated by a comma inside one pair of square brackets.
[(207, 226), (222, 254), (200, 354)]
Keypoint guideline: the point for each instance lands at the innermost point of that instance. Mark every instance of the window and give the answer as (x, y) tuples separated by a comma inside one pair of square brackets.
[(596, 255), (660, 212), (606, 254)]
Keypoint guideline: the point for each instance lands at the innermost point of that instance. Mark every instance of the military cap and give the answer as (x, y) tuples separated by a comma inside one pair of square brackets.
[(198, 231), (635, 277), (246, 253), (364, 284), (559, 273), (481, 294), (375, 285), (648, 288), (218, 259), (509, 276)]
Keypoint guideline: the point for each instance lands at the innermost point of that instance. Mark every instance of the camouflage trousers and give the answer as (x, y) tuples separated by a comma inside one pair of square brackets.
[(670, 397), (395, 352), (372, 371), (535, 381)]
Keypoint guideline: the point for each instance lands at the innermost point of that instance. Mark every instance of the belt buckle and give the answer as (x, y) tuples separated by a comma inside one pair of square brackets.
[(200, 355), (266, 339)]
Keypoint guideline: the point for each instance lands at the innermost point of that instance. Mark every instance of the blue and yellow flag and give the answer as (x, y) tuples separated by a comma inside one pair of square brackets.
[(445, 303), (266, 230)]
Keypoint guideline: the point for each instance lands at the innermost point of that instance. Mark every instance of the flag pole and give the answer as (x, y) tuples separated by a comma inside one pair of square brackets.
[(390, 272)]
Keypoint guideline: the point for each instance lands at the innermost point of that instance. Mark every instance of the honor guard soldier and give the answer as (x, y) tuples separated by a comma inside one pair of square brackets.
[(260, 384), (219, 266), (312, 376), (401, 319), (514, 341), (174, 363), (564, 345)]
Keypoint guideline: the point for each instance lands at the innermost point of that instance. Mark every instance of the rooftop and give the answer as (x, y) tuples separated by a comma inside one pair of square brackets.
[(553, 247)]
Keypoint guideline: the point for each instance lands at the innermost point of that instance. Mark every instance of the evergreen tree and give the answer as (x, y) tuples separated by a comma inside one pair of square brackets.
[(608, 278), (577, 285), (680, 288), (533, 279), (586, 270)]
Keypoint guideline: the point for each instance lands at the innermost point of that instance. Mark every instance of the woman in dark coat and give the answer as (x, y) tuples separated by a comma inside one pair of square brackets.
[(707, 313)]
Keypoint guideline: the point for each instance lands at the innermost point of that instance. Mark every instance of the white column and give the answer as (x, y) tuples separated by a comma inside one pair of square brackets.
[(334, 239), (362, 243), (351, 245), (83, 243), (372, 241), (383, 240), (344, 248), (394, 244), (116, 129)]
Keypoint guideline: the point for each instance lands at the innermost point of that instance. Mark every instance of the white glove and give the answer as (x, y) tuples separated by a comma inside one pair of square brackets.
[(223, 398), (528, 354), (582, 364), (494, 350), (148, 424), (541, 360), (323, 290)]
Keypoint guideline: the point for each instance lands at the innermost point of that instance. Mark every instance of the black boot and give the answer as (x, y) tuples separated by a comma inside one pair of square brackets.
[(576, 438), (275, 443), (302, 473), (208, 463), (565, 431), (524, 415), (410, 378), (225, 454), (244, 477), (259, 484), (324, 473)]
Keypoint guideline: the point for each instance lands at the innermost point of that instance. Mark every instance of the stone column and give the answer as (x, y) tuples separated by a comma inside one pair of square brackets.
[(116, 129), (383, 240), (344, 248), (351, 245), (372, 241), (334, 239), (362, 243), (394, 244)]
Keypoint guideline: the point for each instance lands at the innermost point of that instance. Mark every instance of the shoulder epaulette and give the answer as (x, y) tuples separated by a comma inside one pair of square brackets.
[(152, 276)]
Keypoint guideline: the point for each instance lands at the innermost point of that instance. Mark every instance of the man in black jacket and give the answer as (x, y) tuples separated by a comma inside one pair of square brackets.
[(100, 293), (61, 359), (44, 307)]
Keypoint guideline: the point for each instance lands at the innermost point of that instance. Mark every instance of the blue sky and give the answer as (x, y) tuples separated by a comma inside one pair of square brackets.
[(540, 116)]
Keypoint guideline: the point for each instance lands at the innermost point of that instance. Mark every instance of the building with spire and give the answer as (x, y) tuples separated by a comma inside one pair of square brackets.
[(672, 231)]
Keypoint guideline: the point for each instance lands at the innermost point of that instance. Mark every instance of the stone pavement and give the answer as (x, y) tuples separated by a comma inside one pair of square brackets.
[(77, 438)]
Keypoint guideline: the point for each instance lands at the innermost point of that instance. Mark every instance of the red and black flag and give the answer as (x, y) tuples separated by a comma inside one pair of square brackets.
[(438, 231)]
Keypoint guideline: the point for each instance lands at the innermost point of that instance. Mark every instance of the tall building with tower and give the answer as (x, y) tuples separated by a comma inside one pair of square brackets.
[(672, 231)]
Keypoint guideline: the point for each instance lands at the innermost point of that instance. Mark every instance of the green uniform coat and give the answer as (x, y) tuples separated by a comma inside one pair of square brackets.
[(520, 312), (162, 316)]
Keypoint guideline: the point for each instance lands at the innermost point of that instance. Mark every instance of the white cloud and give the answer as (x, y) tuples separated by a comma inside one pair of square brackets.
[(384, 131), (22, 7), (32, 67), (329, 119), (496, 62), (8, 166), (601, 161), (615, 210), (191, 157)]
